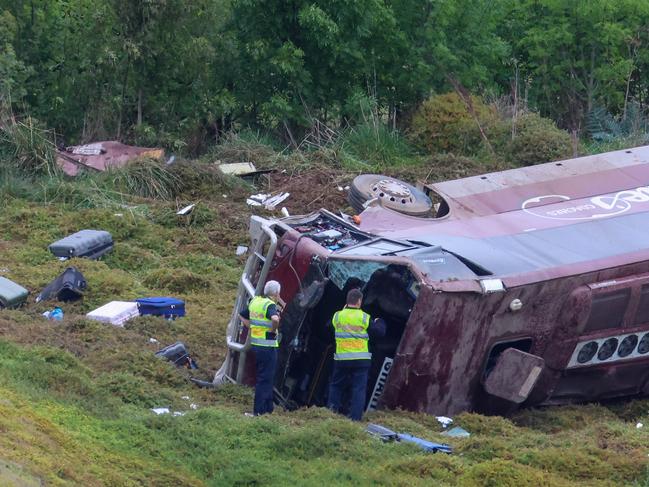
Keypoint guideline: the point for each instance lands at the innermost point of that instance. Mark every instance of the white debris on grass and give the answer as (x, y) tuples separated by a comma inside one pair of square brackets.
[(639, 425), (153, 340), (268, 201), (186, 398), (193, 406), (241, 249), (186, 210), (257, 199), (444, 421), (161, 411)]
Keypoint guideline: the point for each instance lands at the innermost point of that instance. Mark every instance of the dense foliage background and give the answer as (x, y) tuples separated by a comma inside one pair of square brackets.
[(181, 74)]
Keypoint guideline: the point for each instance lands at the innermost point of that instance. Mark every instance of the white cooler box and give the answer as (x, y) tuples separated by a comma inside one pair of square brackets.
[(116, 312)]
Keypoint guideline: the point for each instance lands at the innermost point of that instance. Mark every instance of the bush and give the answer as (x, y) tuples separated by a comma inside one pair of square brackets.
[(373, 145), (537, 140), (29, 147), (443, 124), (144, 177)]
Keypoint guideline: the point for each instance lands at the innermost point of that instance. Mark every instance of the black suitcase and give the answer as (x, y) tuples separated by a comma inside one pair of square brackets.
[(69, 286), (91, 244), (178, 355)]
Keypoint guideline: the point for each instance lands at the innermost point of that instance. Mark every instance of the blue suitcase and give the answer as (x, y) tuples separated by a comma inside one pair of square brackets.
[(170, 308)]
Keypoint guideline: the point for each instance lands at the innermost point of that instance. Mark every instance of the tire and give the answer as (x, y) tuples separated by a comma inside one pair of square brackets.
[(392, 193)]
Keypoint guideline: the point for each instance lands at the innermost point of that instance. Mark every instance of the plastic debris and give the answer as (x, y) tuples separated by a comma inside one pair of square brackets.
[(381, 432), (56, 314), (457, 432), (161, 411), (426, 445), (193, 406), (266, 200), (186, 398), (241, 249), (639, 425), (153, 340), (186, 210), (238, 168), (386, 434), (284, 212), (444, 421), (257, 199)]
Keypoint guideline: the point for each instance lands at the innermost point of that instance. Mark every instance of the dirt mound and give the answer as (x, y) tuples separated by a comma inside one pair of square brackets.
[(313, 188)]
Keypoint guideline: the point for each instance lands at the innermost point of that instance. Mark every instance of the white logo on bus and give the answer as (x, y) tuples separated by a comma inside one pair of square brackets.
[(596, 207)]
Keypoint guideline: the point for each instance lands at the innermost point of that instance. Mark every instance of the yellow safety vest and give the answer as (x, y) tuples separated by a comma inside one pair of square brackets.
[(259, 324), (352, 340)]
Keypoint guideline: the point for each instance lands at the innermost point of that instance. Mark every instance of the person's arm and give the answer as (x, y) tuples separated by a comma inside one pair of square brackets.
[(273, 315), (377, 328), (244, 316), (275, 320)]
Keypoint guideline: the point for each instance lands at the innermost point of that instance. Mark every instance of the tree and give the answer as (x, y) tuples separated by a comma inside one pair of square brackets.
[(576, 53)]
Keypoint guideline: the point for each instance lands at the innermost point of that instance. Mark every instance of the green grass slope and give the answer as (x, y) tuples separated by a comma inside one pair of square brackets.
[(75, 396)]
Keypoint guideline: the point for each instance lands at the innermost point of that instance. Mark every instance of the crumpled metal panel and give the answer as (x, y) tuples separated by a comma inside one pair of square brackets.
[(100, 156)]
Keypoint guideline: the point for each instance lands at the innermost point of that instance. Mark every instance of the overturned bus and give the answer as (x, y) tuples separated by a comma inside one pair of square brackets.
[(527, 287)]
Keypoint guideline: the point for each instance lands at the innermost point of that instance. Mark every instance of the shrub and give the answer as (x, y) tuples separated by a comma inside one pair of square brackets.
[(375, 145), (29, 146), (443, 124), (145, 177), (537, 140)]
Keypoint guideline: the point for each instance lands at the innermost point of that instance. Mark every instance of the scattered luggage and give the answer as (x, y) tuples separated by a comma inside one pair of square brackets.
[(178, 355), (91, 244), (69, 286), (116, 312), (170, 308), (12, 295)]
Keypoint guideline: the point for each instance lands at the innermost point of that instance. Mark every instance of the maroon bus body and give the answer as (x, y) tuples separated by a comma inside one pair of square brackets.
[(564, 244)]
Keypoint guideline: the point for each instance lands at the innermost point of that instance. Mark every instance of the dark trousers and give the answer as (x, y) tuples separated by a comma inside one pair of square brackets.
[(266, 362), (354, 377)]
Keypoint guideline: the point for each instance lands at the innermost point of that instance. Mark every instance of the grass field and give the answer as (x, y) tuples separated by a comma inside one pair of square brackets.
[(75, 396)]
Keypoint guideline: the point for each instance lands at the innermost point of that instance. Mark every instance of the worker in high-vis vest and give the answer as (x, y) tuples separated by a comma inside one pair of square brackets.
[(262, 319), (352, 358)]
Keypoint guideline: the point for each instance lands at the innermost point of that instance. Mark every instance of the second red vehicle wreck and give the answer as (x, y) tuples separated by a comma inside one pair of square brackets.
[(526, 287)]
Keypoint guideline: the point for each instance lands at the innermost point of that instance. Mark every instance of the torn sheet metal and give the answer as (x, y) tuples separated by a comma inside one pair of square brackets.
[(101, 156)]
